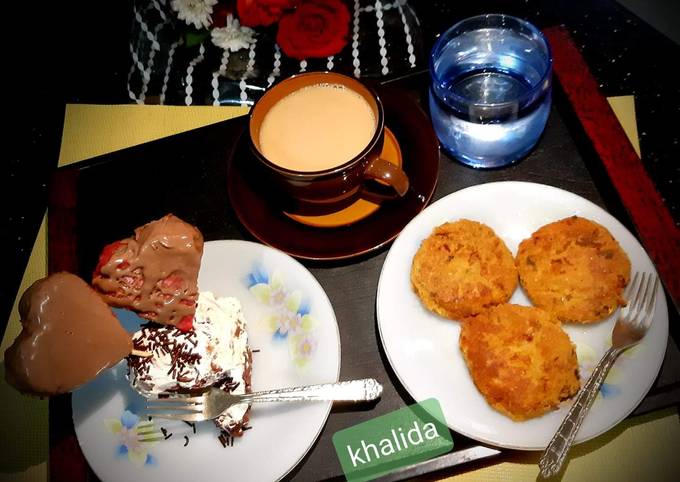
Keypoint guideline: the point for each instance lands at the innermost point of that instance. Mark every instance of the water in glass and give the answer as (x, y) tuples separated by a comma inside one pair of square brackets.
[(490, 95)]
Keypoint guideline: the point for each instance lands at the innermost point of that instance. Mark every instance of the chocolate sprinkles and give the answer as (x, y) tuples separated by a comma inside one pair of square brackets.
[(225, 439), (162, 341), (192, 425), (184, 363)]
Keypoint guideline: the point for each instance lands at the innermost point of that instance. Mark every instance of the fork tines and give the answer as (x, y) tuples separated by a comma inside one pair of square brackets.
[(175, 399), (641, 294), (189, 409), (186, 416)]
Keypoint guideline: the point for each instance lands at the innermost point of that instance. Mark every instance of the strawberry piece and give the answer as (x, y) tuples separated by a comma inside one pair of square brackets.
[(185, 324), (173, 282), (125, 277), (106, 254)]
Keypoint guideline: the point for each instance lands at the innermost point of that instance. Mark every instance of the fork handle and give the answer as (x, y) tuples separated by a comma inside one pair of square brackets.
[(354, 391), (556, 452)]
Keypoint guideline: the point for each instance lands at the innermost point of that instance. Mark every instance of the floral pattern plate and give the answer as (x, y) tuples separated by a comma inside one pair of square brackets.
[(423, 347), (294, 335)]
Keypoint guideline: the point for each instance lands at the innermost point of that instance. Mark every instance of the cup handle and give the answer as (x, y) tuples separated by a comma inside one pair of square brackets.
[(390, 174)]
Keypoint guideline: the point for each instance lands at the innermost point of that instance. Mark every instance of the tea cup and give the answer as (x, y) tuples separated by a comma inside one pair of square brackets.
[(317, 137)]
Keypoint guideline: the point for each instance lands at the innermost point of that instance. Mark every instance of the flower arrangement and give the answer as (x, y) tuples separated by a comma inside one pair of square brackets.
[(304, 28)]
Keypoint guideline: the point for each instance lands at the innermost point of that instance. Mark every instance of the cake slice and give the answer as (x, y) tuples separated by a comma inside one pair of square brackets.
[(153, 273), (215, 352)]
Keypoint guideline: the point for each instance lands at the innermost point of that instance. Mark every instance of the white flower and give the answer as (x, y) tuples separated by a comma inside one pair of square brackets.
[(233, 36), (194, 12)]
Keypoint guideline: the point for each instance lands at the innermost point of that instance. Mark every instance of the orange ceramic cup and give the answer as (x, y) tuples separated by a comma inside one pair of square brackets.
[(337, 186)]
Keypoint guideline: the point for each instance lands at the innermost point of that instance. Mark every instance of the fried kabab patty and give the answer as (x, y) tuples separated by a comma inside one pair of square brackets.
[(520, 359), (575, 269), (462, 268)]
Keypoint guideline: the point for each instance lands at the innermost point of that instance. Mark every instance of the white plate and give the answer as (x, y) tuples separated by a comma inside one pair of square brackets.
[(281, 434), (423, 347)]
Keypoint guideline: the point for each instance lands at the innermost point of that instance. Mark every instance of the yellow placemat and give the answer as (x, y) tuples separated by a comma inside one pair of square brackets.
[(624, 108), (638, 449), (93, 130), (25, 445), (643, 448)]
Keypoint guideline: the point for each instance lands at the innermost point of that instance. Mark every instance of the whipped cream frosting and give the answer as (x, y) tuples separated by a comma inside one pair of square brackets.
[(216, 350)]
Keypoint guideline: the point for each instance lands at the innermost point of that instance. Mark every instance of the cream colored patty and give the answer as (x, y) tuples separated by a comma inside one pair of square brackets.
[(462, 268), (520, 359), (575, 269)]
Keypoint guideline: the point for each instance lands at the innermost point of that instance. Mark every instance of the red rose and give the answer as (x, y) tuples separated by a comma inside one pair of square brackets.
[(253, 13), (317, 28)]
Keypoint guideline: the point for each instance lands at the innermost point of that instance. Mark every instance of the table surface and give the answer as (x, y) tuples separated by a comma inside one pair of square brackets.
[(603, 30)]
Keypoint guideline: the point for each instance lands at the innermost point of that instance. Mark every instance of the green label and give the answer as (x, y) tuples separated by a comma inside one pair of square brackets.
[(398, 439)]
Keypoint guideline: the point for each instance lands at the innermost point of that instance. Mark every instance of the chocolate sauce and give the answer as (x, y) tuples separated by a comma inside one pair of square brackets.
[(155, 272), (69, 335)]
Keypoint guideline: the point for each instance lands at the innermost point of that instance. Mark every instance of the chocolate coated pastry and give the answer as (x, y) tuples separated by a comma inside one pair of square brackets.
[(68, 336), (154, 272)]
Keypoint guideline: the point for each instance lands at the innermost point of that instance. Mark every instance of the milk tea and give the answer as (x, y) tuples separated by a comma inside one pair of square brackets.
[(317, 127)]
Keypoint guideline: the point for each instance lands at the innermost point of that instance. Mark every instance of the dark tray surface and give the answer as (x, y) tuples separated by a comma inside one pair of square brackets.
[(186, 174)]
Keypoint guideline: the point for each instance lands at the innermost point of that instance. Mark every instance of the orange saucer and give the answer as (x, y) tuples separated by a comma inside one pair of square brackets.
[(362, 208)]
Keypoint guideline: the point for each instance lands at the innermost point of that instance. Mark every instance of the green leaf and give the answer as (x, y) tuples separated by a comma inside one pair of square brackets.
[(195, 37)]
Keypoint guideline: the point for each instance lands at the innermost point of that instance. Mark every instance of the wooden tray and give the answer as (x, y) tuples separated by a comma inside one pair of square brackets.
[(104, 199)]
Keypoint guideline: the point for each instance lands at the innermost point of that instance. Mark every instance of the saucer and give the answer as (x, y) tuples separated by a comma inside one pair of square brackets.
[(270, 225), (362, 207)]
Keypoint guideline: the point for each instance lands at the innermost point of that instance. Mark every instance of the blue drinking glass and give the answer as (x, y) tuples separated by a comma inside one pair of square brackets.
[(491, 89)]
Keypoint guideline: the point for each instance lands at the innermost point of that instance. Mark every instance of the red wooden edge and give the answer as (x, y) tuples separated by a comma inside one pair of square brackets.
[(651, 217), (61, 222), (66, 462)]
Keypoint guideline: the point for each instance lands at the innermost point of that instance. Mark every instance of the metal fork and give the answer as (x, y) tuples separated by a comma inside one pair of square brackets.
[(631, 326), (214, 401)]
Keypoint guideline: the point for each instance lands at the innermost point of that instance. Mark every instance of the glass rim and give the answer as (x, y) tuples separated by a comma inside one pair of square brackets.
[(521, 99)]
